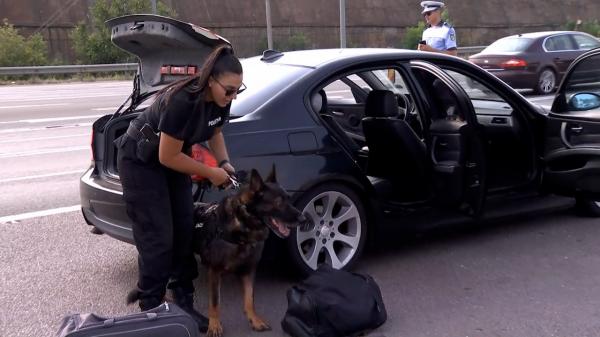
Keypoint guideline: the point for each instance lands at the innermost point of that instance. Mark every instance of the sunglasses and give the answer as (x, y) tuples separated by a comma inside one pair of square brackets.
[(230, 91), (428, 13)]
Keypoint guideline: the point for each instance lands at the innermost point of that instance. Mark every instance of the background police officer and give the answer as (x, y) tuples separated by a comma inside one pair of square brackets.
[(439, 37)]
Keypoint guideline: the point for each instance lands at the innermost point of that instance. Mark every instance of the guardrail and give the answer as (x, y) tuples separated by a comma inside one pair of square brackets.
[(70, 69), (100, 68)]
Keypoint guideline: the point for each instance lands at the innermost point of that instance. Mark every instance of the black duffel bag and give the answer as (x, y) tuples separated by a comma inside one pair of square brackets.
[(333, 303)]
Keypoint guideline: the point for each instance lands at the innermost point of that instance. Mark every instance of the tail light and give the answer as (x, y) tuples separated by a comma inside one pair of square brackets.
[(178, 70), (513, 63)]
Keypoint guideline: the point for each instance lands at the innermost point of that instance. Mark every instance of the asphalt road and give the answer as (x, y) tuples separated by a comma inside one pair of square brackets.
[(529, 276)]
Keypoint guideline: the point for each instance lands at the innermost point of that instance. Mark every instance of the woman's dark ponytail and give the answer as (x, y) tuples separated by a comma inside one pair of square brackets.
[(221, 60)]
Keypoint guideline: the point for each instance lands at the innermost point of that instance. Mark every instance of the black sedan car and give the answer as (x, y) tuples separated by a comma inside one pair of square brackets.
[(535, 61), (364, 138)]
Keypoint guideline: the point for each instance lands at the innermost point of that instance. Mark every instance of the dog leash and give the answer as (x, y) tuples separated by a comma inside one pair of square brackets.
[(235, 184)]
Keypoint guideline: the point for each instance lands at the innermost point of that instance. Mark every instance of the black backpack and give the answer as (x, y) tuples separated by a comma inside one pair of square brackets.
[(333, 303)]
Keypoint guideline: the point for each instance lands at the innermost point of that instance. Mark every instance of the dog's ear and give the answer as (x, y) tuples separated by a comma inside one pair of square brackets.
[(256, 182), (272, 176)]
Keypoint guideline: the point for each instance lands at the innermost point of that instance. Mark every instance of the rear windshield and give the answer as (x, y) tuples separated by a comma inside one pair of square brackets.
[(263, 81), (509, 44)]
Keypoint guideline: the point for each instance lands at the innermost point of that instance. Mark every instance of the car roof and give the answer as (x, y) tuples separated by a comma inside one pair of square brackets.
[(316, 58), (537, 35)]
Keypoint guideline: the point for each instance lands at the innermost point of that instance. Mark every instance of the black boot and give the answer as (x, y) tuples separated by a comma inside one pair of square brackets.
[(145, 302), (186, 301)]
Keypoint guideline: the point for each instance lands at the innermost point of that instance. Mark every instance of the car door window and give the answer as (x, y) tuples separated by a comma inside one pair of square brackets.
[(558, 43), (338, 91), (585, 42)]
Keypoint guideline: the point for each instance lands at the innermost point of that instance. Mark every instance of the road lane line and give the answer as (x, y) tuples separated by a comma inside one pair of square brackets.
[(338, 91), (106, 109), (45, 128), (32, 106), (48, 151), (43, 138), (51, 98), (37, 214), (53, 119), (536, 99), (7, 180)]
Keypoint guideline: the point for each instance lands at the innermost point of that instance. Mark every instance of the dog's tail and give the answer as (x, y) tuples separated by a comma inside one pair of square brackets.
[(133, 296)]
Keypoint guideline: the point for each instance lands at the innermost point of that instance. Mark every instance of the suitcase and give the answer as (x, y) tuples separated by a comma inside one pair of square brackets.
[(165, 320)]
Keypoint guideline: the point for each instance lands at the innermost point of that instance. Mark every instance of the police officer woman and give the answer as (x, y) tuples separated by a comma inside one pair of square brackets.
[(155, 166), (439, 37)]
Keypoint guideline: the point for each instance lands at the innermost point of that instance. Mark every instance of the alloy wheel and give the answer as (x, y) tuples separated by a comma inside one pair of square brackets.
[(333, 235), (547, 81)]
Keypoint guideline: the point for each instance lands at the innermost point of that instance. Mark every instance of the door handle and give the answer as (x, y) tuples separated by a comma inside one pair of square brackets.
[(576, 129)]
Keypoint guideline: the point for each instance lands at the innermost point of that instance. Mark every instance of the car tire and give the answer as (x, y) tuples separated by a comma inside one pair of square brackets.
[(546, 82), (588, 207), (337, 230)]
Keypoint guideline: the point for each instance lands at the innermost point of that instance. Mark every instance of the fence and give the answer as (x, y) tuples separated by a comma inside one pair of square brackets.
[(99, 68)]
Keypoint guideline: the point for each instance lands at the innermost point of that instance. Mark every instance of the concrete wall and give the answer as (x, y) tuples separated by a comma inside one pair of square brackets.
[(372, 23)]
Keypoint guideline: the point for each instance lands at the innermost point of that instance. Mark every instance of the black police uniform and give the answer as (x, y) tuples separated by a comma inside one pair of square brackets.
[(159, 199)]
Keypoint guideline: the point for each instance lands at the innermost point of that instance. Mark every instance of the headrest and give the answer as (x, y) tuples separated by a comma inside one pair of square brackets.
[(318, 101), (381, 103), (443, 93)]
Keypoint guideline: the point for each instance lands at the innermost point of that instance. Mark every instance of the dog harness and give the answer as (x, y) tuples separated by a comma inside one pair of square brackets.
[(209, 228)]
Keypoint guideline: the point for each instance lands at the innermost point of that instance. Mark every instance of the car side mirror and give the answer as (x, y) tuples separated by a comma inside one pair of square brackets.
[(584, 101)]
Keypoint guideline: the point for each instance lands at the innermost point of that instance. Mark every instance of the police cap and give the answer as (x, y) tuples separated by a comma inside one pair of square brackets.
[(429, 6)]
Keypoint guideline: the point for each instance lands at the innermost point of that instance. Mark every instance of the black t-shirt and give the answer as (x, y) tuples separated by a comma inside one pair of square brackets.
[(186, 117)]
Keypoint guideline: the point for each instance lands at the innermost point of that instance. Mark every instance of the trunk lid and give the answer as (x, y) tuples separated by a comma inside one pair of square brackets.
[(167, 49)]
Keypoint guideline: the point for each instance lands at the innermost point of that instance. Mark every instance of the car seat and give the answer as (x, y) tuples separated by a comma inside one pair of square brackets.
[(395, 150)]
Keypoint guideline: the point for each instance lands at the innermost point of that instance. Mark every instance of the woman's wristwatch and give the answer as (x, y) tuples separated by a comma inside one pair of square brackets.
[(223, 162)]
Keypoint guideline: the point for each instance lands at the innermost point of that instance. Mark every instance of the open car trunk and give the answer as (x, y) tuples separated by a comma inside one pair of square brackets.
[(166, 49)]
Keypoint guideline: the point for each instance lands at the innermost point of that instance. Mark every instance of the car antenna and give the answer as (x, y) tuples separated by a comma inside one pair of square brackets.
[(271, 55)]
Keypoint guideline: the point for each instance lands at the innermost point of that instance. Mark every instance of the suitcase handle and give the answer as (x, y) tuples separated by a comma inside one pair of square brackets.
[(146, 316)]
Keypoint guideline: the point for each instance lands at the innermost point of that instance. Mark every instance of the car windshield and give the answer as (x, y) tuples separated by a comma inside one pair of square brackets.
[(263, 80), (509, 44)]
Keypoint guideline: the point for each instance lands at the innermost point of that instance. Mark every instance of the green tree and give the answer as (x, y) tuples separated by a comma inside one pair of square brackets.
[(590, 27), (16, 50), (413, 35), (92, 42)]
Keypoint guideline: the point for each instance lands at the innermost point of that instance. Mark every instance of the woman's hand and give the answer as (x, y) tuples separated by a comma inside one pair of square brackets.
[(229, 168), (218, 176)]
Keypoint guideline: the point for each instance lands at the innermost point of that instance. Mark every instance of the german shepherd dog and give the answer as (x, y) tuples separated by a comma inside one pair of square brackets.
[(230, 237)]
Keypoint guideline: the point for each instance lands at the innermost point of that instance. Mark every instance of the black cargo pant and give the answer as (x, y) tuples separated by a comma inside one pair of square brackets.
[(159, 202)]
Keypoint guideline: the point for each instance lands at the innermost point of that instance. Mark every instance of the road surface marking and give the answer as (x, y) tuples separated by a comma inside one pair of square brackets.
[(50, 98), (40, 176), (106, 109), (45, 128), (20, 140), (53, 119), (31, 106), (48, 151), (37, 214)]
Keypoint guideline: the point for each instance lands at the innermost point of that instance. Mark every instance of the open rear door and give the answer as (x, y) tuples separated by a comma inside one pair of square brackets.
[(572, 143), (455, 142)]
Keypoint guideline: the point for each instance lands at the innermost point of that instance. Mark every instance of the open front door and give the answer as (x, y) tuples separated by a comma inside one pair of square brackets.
[(454, 140), (572, 153)]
